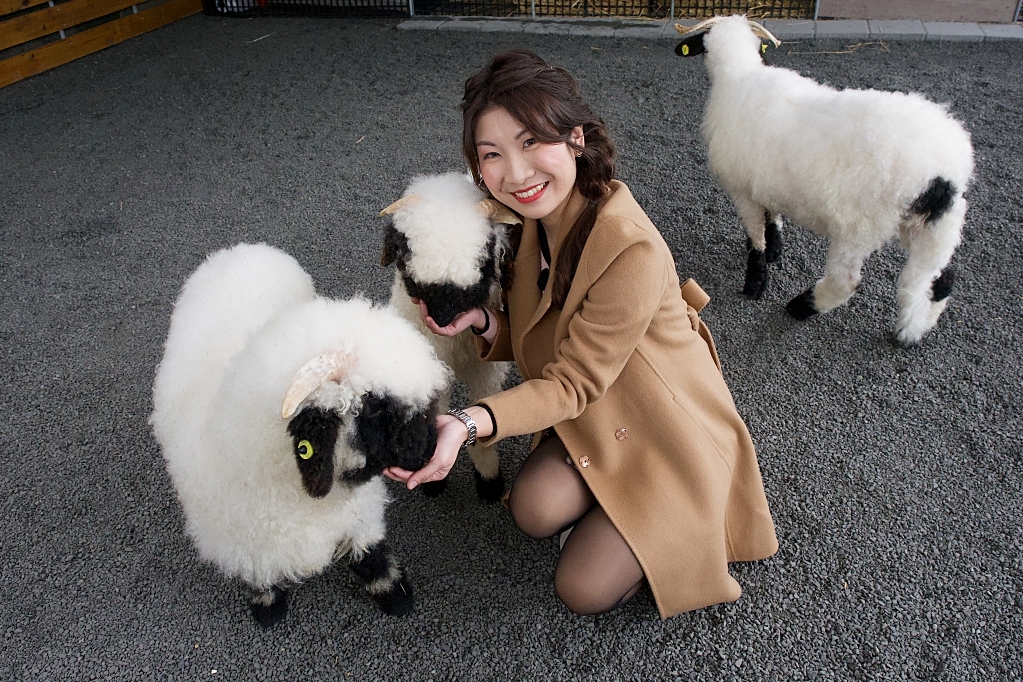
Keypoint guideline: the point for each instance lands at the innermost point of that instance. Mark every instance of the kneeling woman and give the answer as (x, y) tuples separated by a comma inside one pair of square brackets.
[(638, 447)]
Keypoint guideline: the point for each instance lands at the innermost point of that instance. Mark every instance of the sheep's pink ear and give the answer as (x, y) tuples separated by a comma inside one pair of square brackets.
[(333, 366), (498, 212), (410, 200)]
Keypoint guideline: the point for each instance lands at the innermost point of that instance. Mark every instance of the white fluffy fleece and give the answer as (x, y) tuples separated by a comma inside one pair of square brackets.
[(244, 324), (845, 164), (446, 233)]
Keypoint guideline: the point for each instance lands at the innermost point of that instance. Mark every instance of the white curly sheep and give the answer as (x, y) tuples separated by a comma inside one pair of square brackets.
[(857, 166), (277, 410)]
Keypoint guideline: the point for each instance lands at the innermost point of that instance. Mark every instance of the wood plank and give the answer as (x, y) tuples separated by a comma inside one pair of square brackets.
[(927, 10), (10, 6), (52, 19), (80, 44)]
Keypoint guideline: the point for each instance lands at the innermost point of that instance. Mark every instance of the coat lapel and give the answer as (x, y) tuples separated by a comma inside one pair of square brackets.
[(524, 295)]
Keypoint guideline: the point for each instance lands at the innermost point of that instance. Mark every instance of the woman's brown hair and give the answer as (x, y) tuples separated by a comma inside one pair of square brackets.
[(546, 101)]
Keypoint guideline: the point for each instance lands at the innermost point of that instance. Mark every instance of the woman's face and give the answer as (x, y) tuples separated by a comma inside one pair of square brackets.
[(530, 177)]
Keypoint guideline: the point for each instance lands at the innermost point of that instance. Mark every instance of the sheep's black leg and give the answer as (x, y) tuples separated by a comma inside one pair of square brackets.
[(941, 288), (387, 582), (802, 307), (772, 236), (269, 608), (489, 489), (434, 488), (757, 274)]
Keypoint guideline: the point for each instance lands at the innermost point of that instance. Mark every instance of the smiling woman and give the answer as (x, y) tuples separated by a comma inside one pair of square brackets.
[(639, 458)]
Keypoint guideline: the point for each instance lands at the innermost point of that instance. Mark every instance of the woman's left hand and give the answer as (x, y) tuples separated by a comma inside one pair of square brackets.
[(474, 317), (451, 433)]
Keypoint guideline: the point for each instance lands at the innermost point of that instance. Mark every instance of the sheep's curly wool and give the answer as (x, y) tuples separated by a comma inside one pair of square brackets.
[(246, 321), (857, 166)]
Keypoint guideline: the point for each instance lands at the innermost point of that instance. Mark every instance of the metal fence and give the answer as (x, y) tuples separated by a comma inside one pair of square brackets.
[(652, 9)]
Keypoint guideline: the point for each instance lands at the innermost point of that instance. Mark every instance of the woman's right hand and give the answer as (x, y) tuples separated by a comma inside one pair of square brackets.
[(475, 317), (451, 433)]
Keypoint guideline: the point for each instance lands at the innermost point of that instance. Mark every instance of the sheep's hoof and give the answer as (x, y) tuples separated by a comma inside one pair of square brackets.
[(489, 489), (757, 275), (434, 488), (272, 613), (802, 307), (399, 600), (773, 251)]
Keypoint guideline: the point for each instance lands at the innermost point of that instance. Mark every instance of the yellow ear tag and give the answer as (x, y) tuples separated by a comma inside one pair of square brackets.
[(305, 449), (763, 47), (685, 50)]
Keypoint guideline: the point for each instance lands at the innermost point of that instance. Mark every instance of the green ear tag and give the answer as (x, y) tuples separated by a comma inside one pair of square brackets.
[(305, 449), (685, 50)]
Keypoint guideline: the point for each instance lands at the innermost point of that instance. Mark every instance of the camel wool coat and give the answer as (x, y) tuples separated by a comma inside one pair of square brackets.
[(627, 376)]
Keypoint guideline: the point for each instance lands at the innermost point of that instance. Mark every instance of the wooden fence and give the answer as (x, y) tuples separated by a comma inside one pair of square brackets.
[(37, 35)]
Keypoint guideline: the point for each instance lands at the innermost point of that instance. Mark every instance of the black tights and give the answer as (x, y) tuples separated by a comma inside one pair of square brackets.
[(597, 570)]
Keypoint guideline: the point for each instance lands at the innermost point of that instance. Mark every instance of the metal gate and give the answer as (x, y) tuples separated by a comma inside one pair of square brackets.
[(652, 9)]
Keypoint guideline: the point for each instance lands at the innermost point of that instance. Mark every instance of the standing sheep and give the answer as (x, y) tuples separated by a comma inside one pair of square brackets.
[(856, 166), (273, 493), (450, 247)]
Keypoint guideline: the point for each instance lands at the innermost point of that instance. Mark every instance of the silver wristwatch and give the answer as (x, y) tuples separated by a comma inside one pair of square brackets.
[(470, 425)]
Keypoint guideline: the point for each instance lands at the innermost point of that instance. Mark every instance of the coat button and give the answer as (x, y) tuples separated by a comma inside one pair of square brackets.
[(584, 461), (622, 434)]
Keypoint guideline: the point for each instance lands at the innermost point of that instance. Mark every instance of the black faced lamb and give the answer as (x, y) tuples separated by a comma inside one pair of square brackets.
[(276, 411), (857, 166), (450, 246)]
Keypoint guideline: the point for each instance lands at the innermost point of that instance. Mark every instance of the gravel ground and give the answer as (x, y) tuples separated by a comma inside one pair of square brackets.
[(894, 475)]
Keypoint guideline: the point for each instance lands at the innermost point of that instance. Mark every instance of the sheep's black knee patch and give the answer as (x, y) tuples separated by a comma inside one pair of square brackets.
[(434, 488), (314, 434), (268, 615), (374, 564), (935, 200), (772, 235), (802, 307), (941, 288), (388, 433), (489, 489), (757, 275)]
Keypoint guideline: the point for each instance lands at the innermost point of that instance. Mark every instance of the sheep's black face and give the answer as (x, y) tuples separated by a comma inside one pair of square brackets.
[(691, 46), (388, 434), (446, 301), (314, 432)]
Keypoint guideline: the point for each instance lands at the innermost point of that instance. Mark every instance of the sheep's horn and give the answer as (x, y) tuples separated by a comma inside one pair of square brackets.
[(332, 366), (404, 201), (498, 212), (698, 27), (763, 33)]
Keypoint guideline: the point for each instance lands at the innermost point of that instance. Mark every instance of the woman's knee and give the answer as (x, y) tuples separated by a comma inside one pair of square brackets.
[(585, 597), (532, 515), (548, 494)]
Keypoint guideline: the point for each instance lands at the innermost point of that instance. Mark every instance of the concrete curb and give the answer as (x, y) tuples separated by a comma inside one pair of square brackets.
[(787, 29)]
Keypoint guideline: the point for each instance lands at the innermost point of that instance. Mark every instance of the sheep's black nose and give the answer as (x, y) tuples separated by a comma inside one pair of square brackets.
[(442, 313)]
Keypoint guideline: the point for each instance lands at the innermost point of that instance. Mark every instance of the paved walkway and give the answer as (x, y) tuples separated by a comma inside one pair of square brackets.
[(781, 28)]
